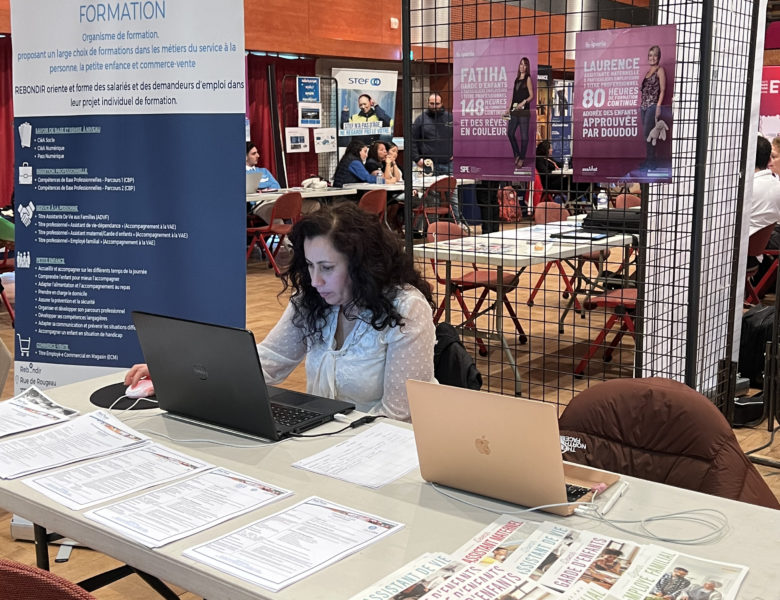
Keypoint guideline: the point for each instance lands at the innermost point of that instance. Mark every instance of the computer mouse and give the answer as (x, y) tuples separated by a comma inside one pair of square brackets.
[(143, 389)]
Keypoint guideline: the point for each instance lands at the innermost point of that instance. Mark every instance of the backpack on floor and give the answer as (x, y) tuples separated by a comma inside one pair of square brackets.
[(508, 207), (757, 324), (452, 363)]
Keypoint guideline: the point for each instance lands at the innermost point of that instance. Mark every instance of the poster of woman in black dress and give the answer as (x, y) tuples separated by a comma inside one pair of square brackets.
[(519, 112)]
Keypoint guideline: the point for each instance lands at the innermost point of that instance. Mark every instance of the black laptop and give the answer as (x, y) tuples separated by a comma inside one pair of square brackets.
[(211, 374)]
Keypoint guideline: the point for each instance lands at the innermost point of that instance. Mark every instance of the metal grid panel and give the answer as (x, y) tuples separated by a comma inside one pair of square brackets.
[(664, 345)]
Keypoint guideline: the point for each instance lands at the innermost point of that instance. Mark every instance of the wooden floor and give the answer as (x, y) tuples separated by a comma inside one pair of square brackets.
[(548, 364)]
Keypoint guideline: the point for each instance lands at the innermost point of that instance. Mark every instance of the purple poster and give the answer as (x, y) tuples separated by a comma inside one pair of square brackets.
[(623, 84), (494, 108)]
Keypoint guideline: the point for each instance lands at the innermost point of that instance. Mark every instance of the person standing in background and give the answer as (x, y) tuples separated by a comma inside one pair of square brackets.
[(432, 140)]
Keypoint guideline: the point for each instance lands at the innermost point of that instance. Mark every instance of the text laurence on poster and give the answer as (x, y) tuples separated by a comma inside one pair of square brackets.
[(769, 114), (130, 126), (494, 108), (623, 87), (367, 104)]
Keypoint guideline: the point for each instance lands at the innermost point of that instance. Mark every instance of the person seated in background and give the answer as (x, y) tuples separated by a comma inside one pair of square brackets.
[(395, 215), (377, 162), (359, 314), (765, 205), (392, 156), (545, 165), (267, 181), (351, 169), (774, 163)]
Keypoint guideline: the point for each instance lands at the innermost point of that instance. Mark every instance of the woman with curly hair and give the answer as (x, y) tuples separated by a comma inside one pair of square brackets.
[(359, 314)]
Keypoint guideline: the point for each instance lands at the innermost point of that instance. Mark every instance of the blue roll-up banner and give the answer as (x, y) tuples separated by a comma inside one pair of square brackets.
[(129, 122)]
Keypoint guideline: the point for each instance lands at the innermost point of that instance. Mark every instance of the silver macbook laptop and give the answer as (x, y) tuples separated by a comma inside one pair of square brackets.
[(252, 181), (211, 374), (498, 446)]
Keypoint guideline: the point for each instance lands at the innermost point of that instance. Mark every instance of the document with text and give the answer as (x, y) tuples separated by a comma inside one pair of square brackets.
[(175, 511), (89, 436), (114, 476), (30, 410), (373, 458), (289, 545)]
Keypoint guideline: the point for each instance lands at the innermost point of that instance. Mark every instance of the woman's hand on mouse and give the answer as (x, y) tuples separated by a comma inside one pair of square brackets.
[(136, 373)]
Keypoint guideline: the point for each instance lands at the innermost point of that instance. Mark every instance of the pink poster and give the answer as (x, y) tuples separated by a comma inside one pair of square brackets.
[(494, 108), (623, 86), (769, 113)]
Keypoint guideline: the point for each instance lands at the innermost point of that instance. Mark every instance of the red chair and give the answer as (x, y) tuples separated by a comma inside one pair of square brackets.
[(474, 279), (623, 305), (7, 261), (374, 202), (540, 194), (22, 582), (287, 209), (7, 265), (436, 200), (756, 247), (765, 283)]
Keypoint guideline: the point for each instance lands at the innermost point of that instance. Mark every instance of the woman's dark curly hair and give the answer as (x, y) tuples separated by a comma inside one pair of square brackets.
[(378, 267)]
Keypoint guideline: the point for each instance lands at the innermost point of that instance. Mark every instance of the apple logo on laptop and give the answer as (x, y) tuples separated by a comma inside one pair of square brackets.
[(483, 446)]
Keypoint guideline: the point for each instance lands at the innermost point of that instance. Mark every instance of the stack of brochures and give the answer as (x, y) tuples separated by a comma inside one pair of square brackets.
[(513, 559)]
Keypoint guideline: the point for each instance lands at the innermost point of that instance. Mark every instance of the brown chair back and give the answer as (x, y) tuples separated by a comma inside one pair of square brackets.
[(661, 430), (287, 207), (443, 230), (548, 212), (22, 582), (627, 201), (758, 241), (444, 187), (374, 202)]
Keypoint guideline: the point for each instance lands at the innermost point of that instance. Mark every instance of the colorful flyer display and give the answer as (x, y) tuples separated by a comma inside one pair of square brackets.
[(494, 108), (769, 115), (108, 100), (623, 87)]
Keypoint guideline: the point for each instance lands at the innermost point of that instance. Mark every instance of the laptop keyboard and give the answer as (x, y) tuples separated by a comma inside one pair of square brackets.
[(290, 416), (575, 492)]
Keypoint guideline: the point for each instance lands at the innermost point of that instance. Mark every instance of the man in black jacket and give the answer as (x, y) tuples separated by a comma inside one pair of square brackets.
[(432, 139)]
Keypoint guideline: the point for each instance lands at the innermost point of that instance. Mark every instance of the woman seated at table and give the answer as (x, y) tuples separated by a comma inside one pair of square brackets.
[(379, 161), (351, 168), (545, 165), (267, 181), (382, 157), (392, 156), (359, 314)]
